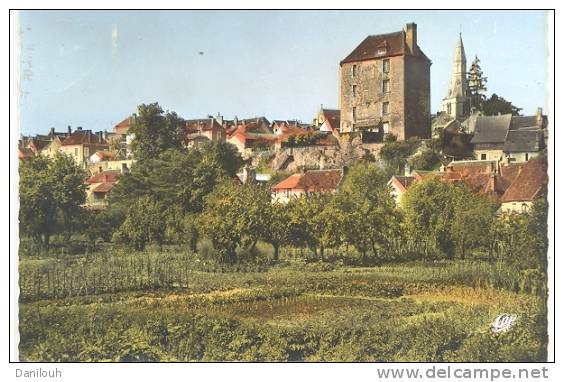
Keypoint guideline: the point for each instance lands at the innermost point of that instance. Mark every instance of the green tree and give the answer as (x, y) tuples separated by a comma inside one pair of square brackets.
[(143, 224), (476, 85), (425, 160), (51, 194), (498, 105), (155, 131), (220, 219), (179, 178), (448, 215), (395, 154), (277, 230), (369, 219)]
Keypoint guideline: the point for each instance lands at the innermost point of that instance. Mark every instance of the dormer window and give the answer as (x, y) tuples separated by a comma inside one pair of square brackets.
[(381, 51)]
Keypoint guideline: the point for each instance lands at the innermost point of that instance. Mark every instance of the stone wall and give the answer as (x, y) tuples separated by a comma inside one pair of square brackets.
[(370, 96)]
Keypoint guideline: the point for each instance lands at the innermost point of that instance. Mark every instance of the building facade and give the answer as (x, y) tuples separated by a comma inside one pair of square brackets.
[(385, 87)]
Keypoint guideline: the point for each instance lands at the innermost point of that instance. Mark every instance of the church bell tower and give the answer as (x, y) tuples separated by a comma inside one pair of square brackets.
[(457, 103)]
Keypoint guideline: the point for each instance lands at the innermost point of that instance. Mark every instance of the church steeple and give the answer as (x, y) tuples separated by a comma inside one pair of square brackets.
[(455, 103)]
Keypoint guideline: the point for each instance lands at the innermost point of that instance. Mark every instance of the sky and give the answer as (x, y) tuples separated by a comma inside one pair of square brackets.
[(92, 68)]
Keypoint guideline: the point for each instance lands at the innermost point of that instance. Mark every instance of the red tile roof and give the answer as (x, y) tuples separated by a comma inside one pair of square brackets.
[(530, 180), (36, 145), (24, 152), (402, 182), (393, 44), (194, 125), (106, 155), (314, 180), (122, 127), (104, 177), (84, 137), (104, 187)]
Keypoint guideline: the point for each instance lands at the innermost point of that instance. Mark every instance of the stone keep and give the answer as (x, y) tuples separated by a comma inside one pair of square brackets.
[(385, 86)]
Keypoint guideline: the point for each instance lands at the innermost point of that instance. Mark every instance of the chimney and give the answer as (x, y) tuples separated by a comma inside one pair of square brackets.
[(236, 121), (99, 134), (411, 37), (79, 128), (539, 117), (69, 129), (52, 132)]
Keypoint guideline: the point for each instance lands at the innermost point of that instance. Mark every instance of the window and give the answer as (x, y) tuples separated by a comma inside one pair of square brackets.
[(385, 108), (449, 109), (76, 151), (386, 66), (483, 157), (354, 70), (386, 127), (386, 86), (354, 90), (526, 156), (354, 113)]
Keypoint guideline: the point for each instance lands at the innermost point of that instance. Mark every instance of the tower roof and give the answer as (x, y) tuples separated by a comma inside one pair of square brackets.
[(458, 82)]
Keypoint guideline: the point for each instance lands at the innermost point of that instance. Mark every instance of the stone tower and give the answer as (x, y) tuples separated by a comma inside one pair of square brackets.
[(457, 103), (385, 88)]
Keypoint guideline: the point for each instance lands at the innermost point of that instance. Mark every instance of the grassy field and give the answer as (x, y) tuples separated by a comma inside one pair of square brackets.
[(171, 307)]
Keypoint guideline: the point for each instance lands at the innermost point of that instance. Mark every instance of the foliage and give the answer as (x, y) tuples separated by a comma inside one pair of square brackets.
[(155, 131), (447, 214), (234, 215), (476, 85), (425, 160), (364, 211), (395, 154), (178, 178), (51, 194), (523, 237), (498, 105), (143, 224), (322, 316)]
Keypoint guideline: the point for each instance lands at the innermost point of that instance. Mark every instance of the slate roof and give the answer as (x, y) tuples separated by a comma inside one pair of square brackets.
[(523, 141), (528, 122), (491, 129), (314, 180), (528, 183)]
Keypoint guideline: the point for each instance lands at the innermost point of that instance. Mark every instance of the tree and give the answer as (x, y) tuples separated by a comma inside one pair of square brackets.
[(524, 236), (448, 215), (143, 224), (395, 154), (277, 232), (425, 160), (366, 210), (498, 105), (220, 219), (476, 85), (51, 194), (180, 178), (155, 131)]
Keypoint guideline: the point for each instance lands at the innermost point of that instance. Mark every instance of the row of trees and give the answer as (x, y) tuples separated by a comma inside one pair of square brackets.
[(174, 195)]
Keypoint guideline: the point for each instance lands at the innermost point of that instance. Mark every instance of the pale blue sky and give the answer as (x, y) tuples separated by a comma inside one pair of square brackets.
[(92, 68)]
